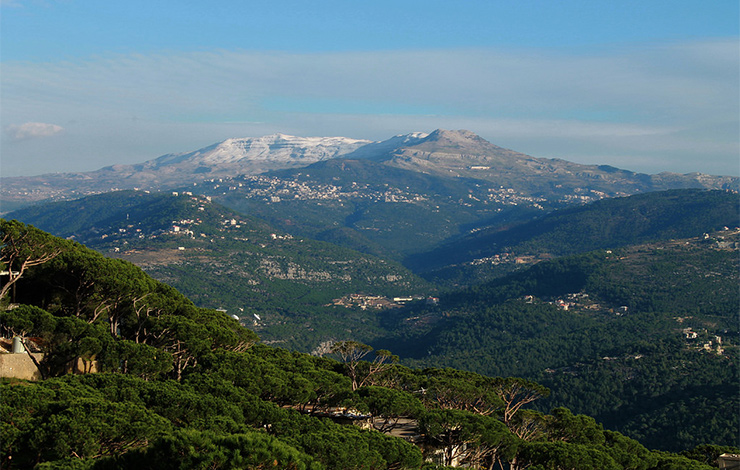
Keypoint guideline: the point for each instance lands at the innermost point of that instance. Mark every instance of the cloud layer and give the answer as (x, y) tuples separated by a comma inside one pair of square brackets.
[(648, 108)]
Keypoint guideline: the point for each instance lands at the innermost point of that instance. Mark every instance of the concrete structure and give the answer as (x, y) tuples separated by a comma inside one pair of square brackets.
[(15, 361), (729, 461), (20, 366)]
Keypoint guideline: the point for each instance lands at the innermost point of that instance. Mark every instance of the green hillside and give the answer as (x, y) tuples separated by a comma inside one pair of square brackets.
[(603, 224), (183, 387), (631, 336), (225, 260), (401, 211), (637, 346)]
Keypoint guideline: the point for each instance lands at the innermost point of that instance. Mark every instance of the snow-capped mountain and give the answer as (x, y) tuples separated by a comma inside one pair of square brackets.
[(377, 149), (459, 154), (246, 155), (231, 157)]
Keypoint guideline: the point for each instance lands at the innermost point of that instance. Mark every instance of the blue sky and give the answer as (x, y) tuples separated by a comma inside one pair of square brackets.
[(647, 85)]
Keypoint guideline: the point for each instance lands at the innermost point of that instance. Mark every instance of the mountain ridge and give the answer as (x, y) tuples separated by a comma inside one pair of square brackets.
[(604, 224), (442, 152), (274, 147)]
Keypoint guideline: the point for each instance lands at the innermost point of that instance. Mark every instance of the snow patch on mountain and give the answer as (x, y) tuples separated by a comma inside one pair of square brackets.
[(383, 148), (270, 148)]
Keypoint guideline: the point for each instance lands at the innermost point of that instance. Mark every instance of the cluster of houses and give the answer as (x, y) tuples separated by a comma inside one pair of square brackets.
[(727, 239), (702, 341), (275, 190), (580, 300), (584, 195), (500, 258), (509, 197), (379, 302)]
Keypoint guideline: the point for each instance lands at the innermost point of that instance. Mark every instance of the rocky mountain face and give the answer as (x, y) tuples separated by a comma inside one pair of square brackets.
[(443, 153), (463, 154)]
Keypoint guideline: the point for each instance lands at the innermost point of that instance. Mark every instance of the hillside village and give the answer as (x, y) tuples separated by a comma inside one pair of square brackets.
[(121, 232), (274, 190), (379, 302)]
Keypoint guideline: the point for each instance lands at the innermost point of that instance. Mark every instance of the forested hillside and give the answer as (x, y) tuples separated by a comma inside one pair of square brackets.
[(608, 223), (223, 259), (393, 210), (634, 336), (184, 387), (226, 260)]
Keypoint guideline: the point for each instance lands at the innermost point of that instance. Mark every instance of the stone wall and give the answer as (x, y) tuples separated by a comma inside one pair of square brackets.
[(20, 366)]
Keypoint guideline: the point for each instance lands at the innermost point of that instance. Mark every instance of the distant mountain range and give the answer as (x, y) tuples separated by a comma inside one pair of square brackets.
[(402, 199), (228, 158), (448, 154), (238, 156)]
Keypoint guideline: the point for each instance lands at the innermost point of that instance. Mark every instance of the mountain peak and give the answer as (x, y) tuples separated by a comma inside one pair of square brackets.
[(441, 143), (459, 135), (457, 142), (442, 139)]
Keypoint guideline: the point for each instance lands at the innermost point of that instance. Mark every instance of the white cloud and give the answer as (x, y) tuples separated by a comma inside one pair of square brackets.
[(32, 130)]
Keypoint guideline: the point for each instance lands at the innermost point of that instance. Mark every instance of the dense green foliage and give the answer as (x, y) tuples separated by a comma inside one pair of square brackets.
[(83, 305), (637, 347)]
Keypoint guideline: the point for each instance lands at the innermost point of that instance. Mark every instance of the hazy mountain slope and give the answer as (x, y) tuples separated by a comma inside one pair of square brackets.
[(222, 259), (397, 209), (427, 189), (607, 223), (465, 154)]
